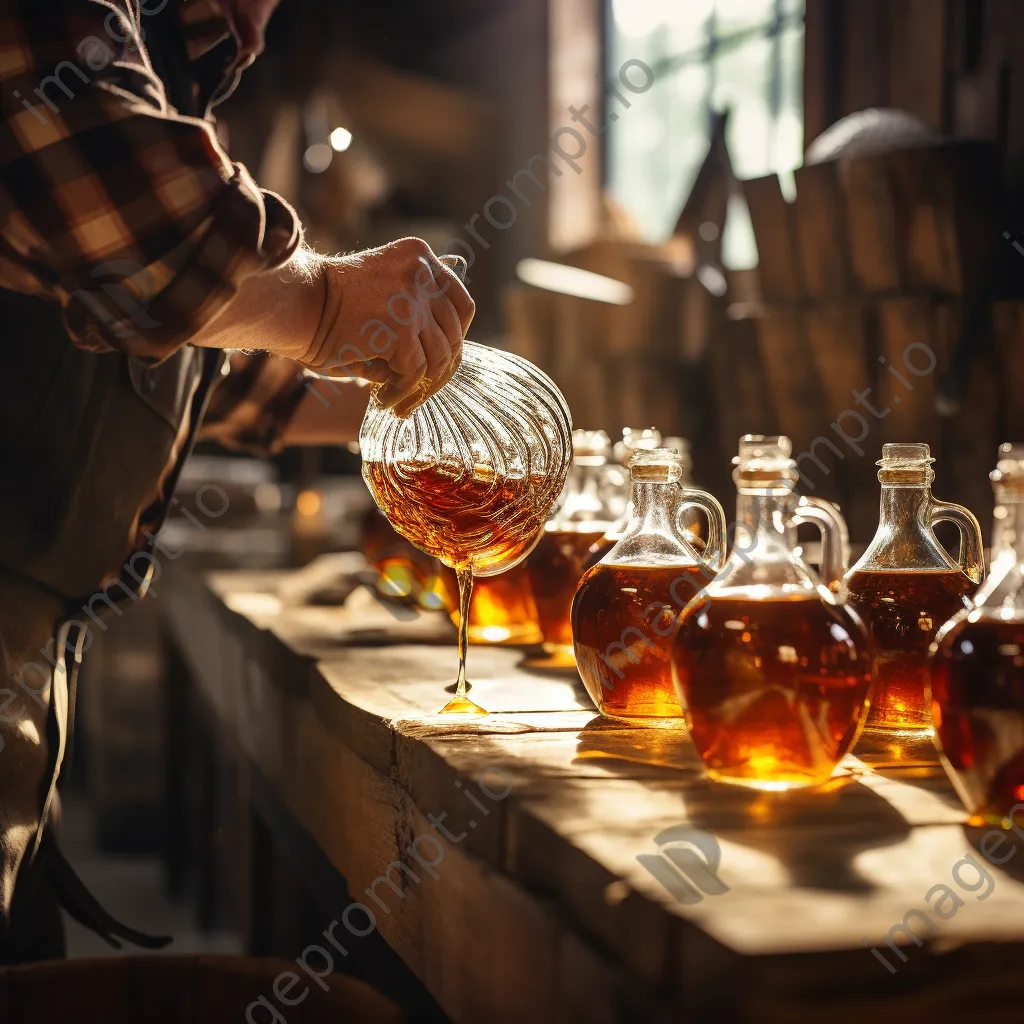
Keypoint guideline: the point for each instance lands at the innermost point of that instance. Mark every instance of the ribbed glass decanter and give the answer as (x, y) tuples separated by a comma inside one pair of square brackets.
[(472, 474)]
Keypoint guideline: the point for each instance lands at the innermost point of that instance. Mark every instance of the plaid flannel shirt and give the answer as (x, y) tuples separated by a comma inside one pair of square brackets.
[(127, 212)]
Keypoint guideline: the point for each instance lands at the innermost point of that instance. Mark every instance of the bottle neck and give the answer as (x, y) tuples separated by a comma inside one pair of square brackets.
[(653, 507), (904, 539), (763, 524), (904, 504)]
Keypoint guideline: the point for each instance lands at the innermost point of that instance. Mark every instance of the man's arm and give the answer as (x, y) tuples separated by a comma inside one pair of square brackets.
[(133, 217), (395, 315), (266, 403)]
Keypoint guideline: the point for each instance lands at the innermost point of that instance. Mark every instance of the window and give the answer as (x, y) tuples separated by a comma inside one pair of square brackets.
[(706, 55)]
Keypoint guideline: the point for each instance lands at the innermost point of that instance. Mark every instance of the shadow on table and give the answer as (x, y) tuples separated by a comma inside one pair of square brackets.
[(815, 834), (622, 748)]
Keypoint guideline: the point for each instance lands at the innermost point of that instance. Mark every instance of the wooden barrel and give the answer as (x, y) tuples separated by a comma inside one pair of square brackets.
[(186, 990)]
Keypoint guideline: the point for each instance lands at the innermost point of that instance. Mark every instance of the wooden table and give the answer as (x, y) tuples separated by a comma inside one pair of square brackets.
[(546, 903)]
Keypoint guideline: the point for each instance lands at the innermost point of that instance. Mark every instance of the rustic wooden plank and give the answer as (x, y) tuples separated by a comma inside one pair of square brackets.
[(821, 231), (818, 114), (907, 324), (838, 339), (871, 223), (646, 391), (792, 379), (1008, 322), (865, 67), (917, 56), (743, 395), (778, 261), (970, 438)]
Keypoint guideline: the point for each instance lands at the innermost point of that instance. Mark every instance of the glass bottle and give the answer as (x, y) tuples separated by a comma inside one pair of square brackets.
[(625, 610), (770, 666), (977, 668), (559, 559), (904, 587), (404, 572)]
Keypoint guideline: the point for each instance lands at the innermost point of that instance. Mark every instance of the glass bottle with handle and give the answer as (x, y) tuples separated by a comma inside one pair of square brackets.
[(904, 587), (625, 611), (770, 665), (977, 669)]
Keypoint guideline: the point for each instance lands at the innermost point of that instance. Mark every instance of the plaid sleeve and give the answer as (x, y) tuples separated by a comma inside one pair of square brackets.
[(254, 402), (128, 213)]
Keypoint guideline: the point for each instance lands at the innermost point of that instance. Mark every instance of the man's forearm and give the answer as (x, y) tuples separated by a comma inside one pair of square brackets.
[(277, 311)]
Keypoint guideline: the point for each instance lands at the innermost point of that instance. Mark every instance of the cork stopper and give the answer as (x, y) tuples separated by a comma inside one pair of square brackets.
[(656, 466), (764, 462), (907, 463)]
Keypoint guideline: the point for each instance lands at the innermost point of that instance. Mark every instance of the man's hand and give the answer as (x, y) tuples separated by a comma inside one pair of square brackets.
[(394, 315)]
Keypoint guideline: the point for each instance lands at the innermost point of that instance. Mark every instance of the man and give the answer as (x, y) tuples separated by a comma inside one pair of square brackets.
[(135, 253)]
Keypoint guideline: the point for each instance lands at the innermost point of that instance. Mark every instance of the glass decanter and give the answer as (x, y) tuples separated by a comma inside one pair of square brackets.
[(904, 587), (977, 668), (471, 476), (770, 666), (625, 610), (559, 560)]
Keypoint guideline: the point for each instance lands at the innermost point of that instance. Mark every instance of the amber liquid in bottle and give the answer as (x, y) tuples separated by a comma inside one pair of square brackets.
[(503, 610), (902, 612), (623, 621), (556, 566), (978, 710), (771, 689), (406, 572)]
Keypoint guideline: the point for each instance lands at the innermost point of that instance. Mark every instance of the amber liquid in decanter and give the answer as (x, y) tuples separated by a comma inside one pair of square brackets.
[(623, 622), (774, 688), (903, 611), (461, 520)]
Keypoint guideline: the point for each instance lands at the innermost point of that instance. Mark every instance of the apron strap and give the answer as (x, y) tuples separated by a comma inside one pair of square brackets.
[(70, 637)]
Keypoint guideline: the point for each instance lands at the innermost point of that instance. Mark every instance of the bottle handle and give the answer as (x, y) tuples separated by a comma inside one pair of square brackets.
[(835, 539), (713, 555), (972, 552)]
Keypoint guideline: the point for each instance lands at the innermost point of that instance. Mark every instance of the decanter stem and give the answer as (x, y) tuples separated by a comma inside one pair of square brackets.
[(465, 579)]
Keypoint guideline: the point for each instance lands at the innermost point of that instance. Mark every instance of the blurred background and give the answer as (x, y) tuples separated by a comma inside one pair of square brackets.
[(662, 145), (783, 202)]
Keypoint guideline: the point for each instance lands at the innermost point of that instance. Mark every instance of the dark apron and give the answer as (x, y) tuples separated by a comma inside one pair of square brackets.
[(85, 440)]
